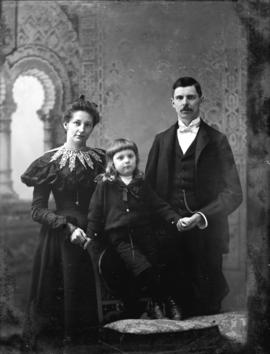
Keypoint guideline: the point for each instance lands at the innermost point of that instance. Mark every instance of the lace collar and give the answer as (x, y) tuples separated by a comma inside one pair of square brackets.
[(69, 156)]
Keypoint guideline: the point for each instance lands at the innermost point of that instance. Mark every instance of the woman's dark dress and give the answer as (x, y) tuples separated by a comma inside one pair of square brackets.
[(62, 295)]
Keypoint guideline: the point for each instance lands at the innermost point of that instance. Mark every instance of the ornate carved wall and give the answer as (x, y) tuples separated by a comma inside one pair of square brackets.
[(92, 65), (46, 46), (46, 25)]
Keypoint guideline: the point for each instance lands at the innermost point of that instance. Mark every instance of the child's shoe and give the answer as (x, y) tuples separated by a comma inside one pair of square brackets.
[(156, 312)]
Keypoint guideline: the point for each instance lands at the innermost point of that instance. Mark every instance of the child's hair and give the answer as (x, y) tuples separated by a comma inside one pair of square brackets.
[(117, 146)]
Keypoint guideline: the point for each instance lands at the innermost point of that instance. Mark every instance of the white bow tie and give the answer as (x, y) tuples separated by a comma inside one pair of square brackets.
[(188, 129)]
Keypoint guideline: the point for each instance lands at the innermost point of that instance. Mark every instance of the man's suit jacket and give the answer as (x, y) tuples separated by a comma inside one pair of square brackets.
[(217, 184)]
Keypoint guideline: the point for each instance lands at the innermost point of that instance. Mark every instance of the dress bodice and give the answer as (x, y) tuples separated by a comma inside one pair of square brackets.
[(69, 176)]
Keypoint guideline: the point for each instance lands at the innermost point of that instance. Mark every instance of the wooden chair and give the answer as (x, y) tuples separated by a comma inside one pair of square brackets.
[(107, 301), (105, 260)]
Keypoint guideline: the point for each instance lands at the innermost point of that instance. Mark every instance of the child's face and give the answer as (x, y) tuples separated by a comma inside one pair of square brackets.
[(125, 162)]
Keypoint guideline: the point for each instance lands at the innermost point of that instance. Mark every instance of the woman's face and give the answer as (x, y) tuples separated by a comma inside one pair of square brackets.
[(79, 128)]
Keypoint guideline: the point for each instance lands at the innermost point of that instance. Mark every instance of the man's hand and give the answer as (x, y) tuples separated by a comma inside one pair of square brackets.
[(78, 237), (188, 223)]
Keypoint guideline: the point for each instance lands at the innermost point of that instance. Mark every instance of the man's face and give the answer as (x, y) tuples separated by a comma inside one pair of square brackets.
[(186, 102)]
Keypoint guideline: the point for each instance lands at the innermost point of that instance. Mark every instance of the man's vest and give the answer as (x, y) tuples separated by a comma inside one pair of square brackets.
[(182, 191)]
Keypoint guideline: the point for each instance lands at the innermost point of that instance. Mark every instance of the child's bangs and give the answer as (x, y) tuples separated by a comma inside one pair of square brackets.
[(120, 146)]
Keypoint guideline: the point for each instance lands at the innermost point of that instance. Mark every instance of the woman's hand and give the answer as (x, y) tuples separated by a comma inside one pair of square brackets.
[(78, 237)]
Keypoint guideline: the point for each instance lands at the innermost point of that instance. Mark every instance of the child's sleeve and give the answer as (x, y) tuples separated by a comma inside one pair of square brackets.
[(159, 207), (95, 223)]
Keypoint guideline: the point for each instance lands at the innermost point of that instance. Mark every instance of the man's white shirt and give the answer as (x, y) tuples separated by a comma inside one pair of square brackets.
[(186, 134)]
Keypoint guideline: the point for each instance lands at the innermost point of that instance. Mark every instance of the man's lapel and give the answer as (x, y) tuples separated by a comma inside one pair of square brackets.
[(167, 163), (169, 142), (202, 140)]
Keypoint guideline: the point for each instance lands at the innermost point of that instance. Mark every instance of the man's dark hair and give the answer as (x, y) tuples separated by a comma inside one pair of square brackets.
[(187, 81)]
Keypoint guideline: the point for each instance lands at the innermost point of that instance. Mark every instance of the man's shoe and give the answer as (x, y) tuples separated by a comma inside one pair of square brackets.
[(156, 312), (172, 310)]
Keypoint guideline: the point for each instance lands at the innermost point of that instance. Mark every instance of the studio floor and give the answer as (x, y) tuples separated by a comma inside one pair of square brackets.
[(215, 334)]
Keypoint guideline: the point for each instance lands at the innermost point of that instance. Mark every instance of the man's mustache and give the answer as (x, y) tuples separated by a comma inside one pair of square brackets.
[(186, 109)]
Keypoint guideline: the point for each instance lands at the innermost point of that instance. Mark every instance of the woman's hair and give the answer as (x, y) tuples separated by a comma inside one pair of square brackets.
[(117, 146), (82, 105)]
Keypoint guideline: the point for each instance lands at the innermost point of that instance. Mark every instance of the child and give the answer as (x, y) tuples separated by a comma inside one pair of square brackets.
[(121, 206)]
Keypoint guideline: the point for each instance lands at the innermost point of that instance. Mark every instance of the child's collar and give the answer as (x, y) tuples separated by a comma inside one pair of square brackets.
[(126, 179), (139, 177)]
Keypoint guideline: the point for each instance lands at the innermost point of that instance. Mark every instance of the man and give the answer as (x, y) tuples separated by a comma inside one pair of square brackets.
[(191, 166)]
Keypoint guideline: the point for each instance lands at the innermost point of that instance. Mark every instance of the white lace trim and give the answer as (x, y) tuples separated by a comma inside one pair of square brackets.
[(69, 156)]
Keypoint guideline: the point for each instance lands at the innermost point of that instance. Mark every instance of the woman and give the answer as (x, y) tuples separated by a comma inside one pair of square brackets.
[(62, 295)]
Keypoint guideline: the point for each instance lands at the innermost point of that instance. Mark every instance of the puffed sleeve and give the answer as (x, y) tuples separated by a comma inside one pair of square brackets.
[(40, 172), (158, 206)]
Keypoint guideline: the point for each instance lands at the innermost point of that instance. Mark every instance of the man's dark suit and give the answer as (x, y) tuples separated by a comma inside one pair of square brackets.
[(217, 186)]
